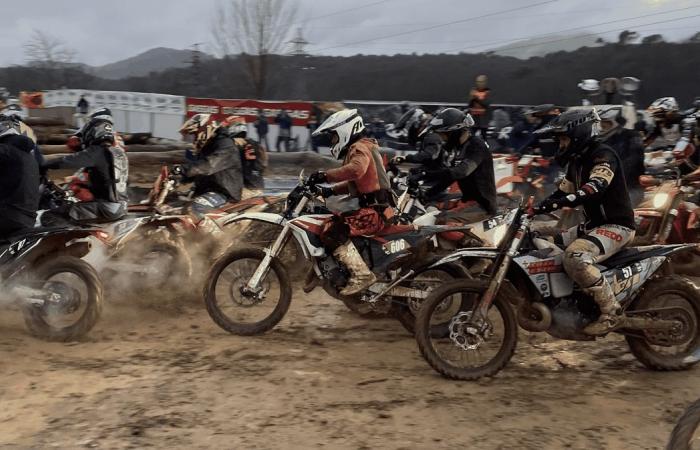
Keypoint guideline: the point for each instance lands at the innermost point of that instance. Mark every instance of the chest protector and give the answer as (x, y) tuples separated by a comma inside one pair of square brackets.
[(120, 175)]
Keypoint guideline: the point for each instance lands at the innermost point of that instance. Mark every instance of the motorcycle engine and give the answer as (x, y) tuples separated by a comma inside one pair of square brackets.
[(333, 272), (570, 315)]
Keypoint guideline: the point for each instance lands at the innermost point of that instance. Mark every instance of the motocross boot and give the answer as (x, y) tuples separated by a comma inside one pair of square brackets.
[(610, 309), (360, 276)]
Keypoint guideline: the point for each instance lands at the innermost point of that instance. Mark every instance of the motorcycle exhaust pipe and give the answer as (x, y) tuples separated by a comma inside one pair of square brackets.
[(527, 311)]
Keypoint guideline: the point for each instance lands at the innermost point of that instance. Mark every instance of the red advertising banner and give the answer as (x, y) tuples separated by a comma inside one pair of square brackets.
[(299, 111)]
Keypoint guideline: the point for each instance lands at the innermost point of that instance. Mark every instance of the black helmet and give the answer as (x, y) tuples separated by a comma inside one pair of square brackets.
[(98, 129), (451, 121), (580, 125), (541, 110)]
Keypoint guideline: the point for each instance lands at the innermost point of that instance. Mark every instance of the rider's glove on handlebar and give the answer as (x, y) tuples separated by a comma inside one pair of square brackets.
[(438, 174), (318, 178)]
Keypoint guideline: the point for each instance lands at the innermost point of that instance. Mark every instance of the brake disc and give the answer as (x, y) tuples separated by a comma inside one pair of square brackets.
[(465, 334)]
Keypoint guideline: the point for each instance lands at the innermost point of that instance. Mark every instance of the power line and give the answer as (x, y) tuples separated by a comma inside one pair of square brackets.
[(503, 41), (454, 22), (343, 11), (595, 34)]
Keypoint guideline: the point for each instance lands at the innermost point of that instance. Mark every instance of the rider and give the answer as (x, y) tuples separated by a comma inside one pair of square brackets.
[(469, 163), (673, 128), (19, 179), (594, 179), (253, 156), (523, 139), (362, 175), (216, 168), (413, 122), (107, 167), (628, 146)]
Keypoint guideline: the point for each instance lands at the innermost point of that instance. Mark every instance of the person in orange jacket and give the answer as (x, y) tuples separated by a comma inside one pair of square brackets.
[(479, 103), (362, 175)]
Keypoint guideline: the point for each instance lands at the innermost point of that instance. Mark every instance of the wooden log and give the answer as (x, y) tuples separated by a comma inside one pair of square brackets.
[(150, 148), (136, 138), (51, 149), (44, 121)]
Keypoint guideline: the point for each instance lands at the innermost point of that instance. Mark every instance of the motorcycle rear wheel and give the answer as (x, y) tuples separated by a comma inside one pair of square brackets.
[(685, 434), (225, 267), (37, 319), (406, 315), (656, 294)]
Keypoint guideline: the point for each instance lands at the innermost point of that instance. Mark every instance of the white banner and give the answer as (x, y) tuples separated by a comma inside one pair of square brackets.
[(133, 112), (132, 101)]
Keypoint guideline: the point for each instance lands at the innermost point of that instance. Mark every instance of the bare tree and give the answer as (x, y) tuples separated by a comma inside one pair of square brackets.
[(653, 39), (253, 29), (627, 37), (46, 51)]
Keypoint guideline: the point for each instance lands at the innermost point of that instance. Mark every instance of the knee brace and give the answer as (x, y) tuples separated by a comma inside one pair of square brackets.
[(579, 263)]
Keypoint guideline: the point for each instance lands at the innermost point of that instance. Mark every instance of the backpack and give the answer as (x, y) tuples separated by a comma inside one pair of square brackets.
[(253, 161)]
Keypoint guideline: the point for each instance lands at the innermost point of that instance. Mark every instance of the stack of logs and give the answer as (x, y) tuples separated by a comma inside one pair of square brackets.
[(146, 153)]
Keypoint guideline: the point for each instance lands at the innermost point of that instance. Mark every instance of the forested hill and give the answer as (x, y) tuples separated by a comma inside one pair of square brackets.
[(666, 69)]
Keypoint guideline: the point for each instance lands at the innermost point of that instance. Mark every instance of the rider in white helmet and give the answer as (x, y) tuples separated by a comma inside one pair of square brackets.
[(362, 175)]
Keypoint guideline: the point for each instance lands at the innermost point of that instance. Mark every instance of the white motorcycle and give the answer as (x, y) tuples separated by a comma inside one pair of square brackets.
[(661, 311)]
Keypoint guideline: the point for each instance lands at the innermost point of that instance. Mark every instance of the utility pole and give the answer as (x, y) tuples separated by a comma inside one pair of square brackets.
[(299, 44), (195, 67)]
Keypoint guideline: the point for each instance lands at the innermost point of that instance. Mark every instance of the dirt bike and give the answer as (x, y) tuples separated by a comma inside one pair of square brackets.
[(530, 176), (686, 433), (661, 311), (246, 278), (143, 247), (41, 271), (667, 217)]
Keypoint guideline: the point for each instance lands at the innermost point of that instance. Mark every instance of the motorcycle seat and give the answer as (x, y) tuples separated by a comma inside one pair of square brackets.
[(629, 255), (396, 229)]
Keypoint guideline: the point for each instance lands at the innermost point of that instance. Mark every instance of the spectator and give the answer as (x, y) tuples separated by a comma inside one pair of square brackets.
[(312, 124), (82, 111), (284, 120), (479, 105), (261, 126)]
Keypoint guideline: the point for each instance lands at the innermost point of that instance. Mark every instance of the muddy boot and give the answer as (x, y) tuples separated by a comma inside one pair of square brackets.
[(311, 281), (360, 276), (610, 309)]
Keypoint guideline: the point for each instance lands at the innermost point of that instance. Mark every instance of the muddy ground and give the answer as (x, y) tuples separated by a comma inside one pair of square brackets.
[(162, 375)]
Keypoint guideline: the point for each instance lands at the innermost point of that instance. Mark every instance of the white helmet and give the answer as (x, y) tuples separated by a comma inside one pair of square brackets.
[(346, 125), (663, 105)]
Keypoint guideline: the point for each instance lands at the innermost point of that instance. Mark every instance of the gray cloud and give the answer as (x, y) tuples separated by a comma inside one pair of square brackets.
[(103, 32)]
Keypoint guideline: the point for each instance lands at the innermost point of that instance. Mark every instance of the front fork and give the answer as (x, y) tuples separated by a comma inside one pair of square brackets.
[(263, 268), (501, 271)]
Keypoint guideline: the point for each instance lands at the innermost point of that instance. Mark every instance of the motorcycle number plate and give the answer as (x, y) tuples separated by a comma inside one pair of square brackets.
[(397, 246)]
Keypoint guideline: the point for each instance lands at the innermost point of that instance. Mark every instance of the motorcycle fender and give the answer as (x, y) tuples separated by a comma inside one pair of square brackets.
[(260, 216), (78, 248)]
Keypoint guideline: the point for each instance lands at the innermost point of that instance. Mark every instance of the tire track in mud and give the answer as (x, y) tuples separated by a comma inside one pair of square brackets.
[(150, 377)]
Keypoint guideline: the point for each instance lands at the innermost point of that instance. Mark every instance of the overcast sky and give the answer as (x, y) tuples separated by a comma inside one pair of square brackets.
[(102, 32)]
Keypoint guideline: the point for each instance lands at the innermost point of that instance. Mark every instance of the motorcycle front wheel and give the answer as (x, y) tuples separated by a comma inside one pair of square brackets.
[(468, 351), (686, 435), (238, 311), (75, 304)]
